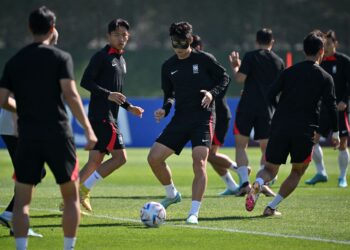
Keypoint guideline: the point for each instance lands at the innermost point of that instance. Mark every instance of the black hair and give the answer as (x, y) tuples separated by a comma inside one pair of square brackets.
[(182, 30), (264, 36), (197, 41), (115, 23), (331, 35), (41, 20), (313, 42)]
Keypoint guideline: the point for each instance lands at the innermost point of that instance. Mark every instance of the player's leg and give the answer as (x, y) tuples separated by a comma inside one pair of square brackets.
[(156, 159), (94, 161), (266, 190), (317, 156), (71, 212), (199, 157), (343, 161), (221, 163), (20, 220), (242, 162)]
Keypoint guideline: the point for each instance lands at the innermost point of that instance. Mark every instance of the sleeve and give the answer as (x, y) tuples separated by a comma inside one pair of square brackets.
[(5, 81), (168, 90), (245, 65), (220, 76), (329, 101), (67, 69), (91, 72), (275, 89)]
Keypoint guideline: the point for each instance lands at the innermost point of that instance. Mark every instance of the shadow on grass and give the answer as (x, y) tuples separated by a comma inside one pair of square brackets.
[(99, 225), (128, 197)]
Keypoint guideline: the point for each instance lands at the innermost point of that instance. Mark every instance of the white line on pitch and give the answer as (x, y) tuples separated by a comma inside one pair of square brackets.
[(230, 230)]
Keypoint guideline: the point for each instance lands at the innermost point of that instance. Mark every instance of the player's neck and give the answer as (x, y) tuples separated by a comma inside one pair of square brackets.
[(45, 39), (315, 59)]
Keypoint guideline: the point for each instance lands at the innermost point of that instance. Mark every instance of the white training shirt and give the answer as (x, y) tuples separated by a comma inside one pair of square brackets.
[(8, 123)]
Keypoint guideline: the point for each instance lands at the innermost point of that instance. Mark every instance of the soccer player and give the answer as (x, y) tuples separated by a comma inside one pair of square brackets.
[(41, 76), (104, 78), (299, 88), (193, 78), (258, 70), (338, 66), (9, 134), (220, 162)]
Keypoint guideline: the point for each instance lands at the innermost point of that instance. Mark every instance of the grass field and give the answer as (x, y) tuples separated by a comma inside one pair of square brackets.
[(314, 217)]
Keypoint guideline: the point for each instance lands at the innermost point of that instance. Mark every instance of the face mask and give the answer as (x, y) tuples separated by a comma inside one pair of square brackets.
[(180, 44)]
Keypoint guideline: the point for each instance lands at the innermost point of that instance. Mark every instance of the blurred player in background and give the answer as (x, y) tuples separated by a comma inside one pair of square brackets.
[(300, 89), (193, 78), (104, 77), (220, 162), (9, 134), (40, 75), (338, 66), (257, 71)]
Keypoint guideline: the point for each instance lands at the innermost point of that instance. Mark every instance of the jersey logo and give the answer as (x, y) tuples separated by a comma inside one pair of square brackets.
[(334, 69), (195, 68), (173, 72)]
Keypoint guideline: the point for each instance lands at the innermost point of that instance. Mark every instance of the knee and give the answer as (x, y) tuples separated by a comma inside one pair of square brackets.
[(120, 160), (152, 159)]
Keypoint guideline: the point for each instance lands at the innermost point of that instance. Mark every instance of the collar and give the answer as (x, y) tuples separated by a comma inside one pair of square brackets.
[(115, 51), (330, 58)]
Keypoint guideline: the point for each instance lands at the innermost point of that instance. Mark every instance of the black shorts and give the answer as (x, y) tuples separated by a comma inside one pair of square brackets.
[(325, 125), (108, 135), (246, 121), (58, 153), (280, 145), (221, 128), (180, 130)]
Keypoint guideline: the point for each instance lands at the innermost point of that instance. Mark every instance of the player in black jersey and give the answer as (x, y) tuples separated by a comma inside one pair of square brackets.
[(193, 78), (300, 89), (258, 70), (104, 77), (338, 66), (41, 77), (220, 162), (11, 140)]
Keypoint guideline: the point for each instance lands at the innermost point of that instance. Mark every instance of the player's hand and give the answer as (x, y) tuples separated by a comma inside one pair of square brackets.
[(91, 139), (341, 106), (336, 139), (135, 110), (159, 114), (117, 97), (208, 97), (234, 59)]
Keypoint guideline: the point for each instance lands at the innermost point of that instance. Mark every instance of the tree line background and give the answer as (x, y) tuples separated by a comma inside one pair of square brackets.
[(224, 25)]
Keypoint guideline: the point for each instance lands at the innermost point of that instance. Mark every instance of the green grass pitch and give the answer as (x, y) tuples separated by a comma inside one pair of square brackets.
[(314, 217)]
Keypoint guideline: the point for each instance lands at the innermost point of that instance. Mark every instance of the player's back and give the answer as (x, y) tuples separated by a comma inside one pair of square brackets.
[(34, 74), (301, 87)]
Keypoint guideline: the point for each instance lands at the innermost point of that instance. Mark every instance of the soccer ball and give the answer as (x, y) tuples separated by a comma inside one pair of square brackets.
[(153, 214)]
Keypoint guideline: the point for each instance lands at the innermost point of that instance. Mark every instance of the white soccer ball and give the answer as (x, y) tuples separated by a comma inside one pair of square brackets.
[(153, 214)]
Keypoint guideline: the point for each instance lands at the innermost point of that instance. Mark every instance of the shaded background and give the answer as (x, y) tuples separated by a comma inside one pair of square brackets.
[(223, 25)]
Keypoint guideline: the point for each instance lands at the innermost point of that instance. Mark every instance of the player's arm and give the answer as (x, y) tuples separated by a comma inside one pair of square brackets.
[(6, 101), (235, 63), (169, 95), (329, 100), (276, 89), (75, 104)]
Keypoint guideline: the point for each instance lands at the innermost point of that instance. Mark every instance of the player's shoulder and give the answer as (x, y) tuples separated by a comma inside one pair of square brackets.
[(59, 52), (203, 54), (342, 56), (170, 61)]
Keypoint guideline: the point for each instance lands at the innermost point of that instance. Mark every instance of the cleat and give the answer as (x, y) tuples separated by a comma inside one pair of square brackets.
[(342, 182), (5, 222), (85, 198), (317, 178), (267, 191), (252, 197), (243, 189), (192, 219), (30, 233), (229, 192), (166, 202), (271, 212)]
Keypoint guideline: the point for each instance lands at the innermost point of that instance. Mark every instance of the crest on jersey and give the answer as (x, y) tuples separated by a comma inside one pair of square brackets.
[(334, 69), (195, 68)]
